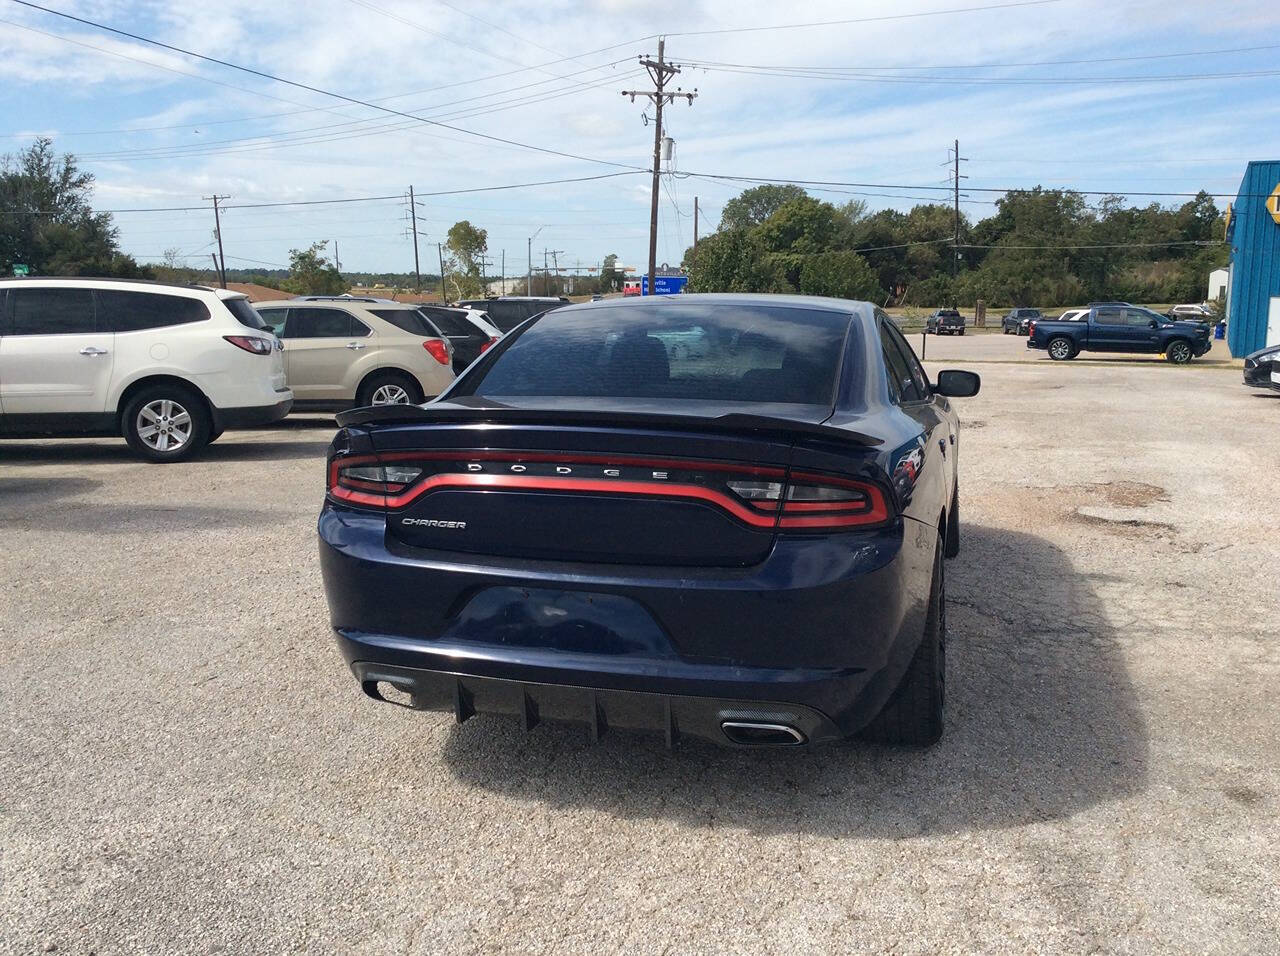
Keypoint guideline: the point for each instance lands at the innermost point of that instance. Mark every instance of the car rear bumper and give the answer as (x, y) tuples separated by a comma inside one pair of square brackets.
[(1262, 375), (251, 415), (821, 631)]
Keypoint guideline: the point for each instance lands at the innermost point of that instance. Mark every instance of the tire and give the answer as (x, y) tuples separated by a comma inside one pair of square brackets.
[(962, 331), (1061, 348), (916, 712), (166, 423), (388, 388), (1178, 352), (952, 547)]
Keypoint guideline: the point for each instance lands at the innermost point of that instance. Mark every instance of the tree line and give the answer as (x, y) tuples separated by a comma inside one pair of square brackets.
[(1041, 247)]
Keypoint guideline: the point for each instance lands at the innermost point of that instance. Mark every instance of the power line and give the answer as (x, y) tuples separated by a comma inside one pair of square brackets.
[(806, 74), (985, 189), (330, 202), (879, 19), (986, 66), (314, 135), (313, 89)]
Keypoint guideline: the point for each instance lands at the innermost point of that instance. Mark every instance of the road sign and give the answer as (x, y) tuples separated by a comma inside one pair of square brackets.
[(666, 285), (1273, 204), (20, 270)]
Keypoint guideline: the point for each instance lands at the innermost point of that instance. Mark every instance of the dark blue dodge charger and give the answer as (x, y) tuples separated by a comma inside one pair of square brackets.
[(714, 516)]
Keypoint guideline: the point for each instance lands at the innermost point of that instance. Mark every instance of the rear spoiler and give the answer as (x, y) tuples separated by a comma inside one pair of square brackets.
[(734, 422)]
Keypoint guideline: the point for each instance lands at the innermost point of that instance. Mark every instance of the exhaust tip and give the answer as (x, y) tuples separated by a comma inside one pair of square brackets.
[(750, 733)]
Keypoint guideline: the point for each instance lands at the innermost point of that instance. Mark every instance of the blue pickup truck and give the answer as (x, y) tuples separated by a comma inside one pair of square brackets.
[(1120, 327)]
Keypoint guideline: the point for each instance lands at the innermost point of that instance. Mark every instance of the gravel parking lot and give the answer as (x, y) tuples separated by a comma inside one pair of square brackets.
[(188, 767)]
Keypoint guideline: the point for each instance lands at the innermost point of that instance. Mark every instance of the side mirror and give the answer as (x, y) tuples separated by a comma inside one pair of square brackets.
[(955, 383)]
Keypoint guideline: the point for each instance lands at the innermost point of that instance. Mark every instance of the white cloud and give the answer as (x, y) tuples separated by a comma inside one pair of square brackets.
[(757, 125)]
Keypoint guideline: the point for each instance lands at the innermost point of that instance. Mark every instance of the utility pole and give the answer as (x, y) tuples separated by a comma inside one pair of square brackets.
[(337, 263), (413, 218), (555, 264), (956, 160), (695, 223), (528, 289), (504, 273), (444, 297), (545, 278), (660, 71), (217, 269), (217, 231)]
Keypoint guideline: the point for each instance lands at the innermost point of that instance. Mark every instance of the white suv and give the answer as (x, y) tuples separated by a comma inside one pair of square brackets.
[(166, 366), (344, 352)]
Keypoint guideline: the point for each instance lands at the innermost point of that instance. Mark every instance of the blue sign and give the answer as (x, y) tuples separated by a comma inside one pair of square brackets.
[(667, 285)]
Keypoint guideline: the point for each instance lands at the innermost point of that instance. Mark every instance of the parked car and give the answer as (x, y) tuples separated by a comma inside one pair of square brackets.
[(469, 331), (588, 526), (1018, 321), (508, 311), (947, 321), (1121, 328), (168, 367), (340, 353), (1071, 315), (1196, 313), (1262, 368)]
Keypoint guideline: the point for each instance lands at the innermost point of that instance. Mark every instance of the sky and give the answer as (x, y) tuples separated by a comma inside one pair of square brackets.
[(1120, 96)]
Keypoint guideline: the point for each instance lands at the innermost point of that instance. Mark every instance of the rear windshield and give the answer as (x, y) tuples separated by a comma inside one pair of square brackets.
[(244, 313), (729, 353)]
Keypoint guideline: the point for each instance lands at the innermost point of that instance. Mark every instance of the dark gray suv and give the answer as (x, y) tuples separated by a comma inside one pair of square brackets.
[(508, 311)]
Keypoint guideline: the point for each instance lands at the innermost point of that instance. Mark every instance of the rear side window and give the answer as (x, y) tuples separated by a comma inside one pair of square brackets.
[(408, 320), (506, 315), (244, 312), (1109, 317), (121, 311), (450, 323), (902, 382), (324, 324), (728, 353), (274, 319), (52, 311)]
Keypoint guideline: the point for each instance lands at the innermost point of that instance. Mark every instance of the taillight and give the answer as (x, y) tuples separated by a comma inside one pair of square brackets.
[(250, 343), (1031, 328), (364, 480), (439, 351), (817, 502), (493, 340)]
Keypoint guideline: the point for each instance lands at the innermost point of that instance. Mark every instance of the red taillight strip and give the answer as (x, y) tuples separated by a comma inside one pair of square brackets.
[(836, 514), (652, 489)]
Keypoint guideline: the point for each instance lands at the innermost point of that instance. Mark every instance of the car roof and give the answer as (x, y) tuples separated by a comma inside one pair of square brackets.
[(338, 304), (812, 303), (154, 284)]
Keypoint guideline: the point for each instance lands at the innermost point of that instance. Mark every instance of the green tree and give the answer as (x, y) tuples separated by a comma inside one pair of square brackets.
[(46, 221), (753, 206), (734, 261), (610, 275), (466, 246), (842, 275), (311, 272)]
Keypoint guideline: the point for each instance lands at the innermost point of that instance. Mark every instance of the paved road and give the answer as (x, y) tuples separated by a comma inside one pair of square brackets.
[(187, 767)]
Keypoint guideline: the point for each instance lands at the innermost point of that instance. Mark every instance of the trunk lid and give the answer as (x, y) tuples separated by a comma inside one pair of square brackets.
[(622, 485)]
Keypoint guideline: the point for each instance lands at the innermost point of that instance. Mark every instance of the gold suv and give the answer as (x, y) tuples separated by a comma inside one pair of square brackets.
[(340, 353)]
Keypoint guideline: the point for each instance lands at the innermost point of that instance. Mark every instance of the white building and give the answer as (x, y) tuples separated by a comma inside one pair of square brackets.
[(1218, 280)]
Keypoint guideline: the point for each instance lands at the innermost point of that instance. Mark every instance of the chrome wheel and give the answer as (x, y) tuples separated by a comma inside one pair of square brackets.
[(164, 425), (390, 394), (1179, 353), (1060, 349)]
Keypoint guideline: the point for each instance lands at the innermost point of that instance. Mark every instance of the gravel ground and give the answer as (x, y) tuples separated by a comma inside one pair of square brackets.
[(187, 767)]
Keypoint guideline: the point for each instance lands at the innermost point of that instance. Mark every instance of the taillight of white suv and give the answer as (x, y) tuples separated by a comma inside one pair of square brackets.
[(250, 343)]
